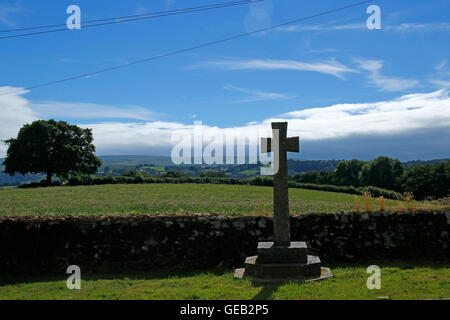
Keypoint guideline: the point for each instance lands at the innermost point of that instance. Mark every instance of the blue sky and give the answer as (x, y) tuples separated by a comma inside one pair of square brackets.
[(347, 91)]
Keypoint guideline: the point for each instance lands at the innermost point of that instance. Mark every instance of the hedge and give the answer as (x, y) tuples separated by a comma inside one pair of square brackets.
[(254, 181)]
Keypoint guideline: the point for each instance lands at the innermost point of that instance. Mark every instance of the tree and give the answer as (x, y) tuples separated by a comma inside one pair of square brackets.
[(56, 148), (347, 172), (174, 174), (428, 180), (316, 177), (212, 174), (135, 173), (382, 172)]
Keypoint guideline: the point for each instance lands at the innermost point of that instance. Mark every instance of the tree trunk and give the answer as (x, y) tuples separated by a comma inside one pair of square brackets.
[(49, 178)]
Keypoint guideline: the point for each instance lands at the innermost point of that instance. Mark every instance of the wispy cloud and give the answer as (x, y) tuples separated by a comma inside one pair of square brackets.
[(331, 67), (385, 83), (323, 50), (169, 3), (442, 69), (441, 66), (257, 95), (7, 13), (77, 110), (140, 9), (418, 27), (402, 27), (259, 16), (323, 27), (441, 83)]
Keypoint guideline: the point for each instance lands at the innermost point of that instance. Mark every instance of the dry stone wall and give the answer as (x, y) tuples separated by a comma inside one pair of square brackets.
[(147, 242)]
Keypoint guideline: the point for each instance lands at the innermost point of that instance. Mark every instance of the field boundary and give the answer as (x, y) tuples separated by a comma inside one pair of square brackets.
[(255, 181), (145, 242)]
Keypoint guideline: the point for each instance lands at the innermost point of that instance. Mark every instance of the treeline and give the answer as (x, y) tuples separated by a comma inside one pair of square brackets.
[(299, 166), (212, 177), (423, 181), (382, 176)]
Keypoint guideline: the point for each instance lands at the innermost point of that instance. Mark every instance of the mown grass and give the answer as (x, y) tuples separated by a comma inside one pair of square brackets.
[(170, 199), (399, 280)]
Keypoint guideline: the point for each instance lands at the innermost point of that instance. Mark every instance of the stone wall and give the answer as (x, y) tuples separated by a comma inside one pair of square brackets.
[(120, 243)]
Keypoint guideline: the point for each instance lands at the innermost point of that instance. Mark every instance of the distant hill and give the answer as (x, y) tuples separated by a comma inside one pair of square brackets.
[(299, 166), (412, 164), (135, 160), (155, 165)]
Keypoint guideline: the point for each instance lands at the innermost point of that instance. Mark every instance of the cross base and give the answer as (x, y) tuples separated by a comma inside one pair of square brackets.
[(276, 265)]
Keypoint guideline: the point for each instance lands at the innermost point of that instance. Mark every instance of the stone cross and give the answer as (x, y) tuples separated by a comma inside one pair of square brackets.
[(280, 144)]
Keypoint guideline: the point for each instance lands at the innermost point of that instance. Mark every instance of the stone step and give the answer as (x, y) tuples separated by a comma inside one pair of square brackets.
[(295, 253), (297, 271)]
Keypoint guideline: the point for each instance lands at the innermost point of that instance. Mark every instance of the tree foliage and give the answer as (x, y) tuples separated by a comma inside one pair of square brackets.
[(56, 148), (382, 172), (174, 174), (316, 177), (213, 174), (428, 180), (347, 172)]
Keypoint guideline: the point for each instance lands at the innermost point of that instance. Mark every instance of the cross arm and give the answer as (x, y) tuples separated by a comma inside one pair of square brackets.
[(293, 144)]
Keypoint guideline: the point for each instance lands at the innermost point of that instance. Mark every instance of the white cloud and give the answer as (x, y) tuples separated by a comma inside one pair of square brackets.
[(257, 95), (409, 115), (405, 114), (14, 113), (400, 125), (331, 67), (16, 110), (383, 82)]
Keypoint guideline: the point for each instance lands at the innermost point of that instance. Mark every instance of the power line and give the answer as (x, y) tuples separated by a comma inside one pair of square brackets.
[(207, 44), (125, 19)]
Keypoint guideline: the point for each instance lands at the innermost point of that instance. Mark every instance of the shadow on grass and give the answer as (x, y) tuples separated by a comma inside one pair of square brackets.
[(13, 278), (265, 293)]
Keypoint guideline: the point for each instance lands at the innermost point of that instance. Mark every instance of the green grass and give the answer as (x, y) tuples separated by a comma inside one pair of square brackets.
[(250, 172), (399, 280), (167, 199)]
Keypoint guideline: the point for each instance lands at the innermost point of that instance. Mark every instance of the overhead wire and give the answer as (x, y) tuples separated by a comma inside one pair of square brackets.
[(203, 45), (125, 19)]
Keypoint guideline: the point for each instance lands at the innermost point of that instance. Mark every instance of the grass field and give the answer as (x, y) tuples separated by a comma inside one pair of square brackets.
[(399, 280), (170, 199)]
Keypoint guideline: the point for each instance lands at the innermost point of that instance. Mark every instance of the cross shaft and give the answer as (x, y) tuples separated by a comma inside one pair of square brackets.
[(279, 145)]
